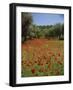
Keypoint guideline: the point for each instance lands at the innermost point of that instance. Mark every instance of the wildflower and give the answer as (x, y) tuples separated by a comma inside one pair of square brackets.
[(33, 70), (59, 54), (59, 62), (56, 58)]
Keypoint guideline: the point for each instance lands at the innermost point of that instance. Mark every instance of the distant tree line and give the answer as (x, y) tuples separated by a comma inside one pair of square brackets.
[(30, 31)]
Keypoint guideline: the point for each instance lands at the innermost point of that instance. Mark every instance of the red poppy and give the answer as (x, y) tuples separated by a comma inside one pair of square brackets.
[(46, 62), (56, 58), (53, 55), (49, 66), (41, 63), (35, 61), (59, 62), (50, 52), (59, 54), (33, 70)]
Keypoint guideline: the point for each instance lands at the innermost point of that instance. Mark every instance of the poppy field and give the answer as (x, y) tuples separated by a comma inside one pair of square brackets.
[(42, 57)]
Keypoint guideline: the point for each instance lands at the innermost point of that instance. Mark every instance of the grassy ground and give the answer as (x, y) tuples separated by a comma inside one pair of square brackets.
[(42, 57)]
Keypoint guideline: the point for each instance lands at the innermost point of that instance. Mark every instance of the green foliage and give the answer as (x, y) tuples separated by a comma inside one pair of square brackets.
[(26, 22), (30, 31)]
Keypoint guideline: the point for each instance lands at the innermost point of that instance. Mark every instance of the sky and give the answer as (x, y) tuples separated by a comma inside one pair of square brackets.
[(47, 19)]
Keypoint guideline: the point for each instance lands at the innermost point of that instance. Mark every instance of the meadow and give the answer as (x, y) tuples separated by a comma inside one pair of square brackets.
[(42, 57), (42, 44)]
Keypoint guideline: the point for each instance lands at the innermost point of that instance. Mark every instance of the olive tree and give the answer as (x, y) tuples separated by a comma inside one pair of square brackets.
[(26, 22)]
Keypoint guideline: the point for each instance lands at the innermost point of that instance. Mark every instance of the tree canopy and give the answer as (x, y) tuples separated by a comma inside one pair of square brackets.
[(30, 31)]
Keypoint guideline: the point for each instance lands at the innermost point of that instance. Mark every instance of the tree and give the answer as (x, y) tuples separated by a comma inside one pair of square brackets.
[(62, 31), (26, 22), (50, 32), (57, 29)]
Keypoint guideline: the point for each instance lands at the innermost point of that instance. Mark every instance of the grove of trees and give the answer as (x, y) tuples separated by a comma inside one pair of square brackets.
[(30, 31)]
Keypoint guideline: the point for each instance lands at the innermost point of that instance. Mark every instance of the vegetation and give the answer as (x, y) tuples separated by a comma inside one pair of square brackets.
[(42, 57), (30, 31), (26, 22), (42, 48)]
